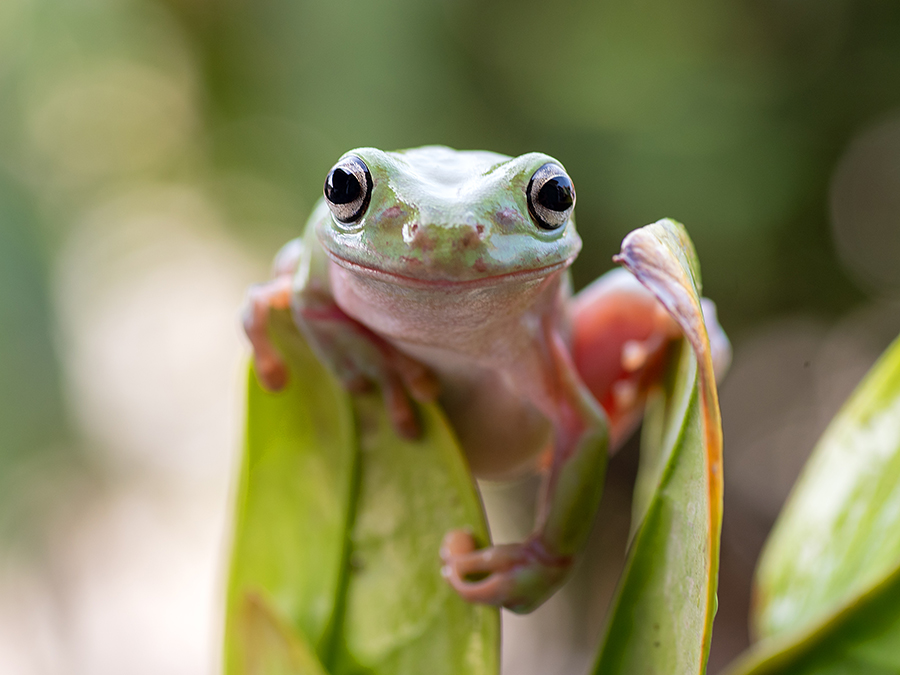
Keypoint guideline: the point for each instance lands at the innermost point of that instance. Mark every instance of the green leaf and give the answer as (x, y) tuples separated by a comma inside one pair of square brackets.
[(827, 595), (293, 504), (401, 615), (661, 617), (338, 529)]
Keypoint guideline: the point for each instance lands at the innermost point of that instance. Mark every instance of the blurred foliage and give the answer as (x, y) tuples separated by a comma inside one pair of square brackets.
[(828, 583), (31, 412), (817, 556), (729, 116)]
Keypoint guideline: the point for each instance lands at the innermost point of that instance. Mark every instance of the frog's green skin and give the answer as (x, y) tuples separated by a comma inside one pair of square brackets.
[(446, 287)]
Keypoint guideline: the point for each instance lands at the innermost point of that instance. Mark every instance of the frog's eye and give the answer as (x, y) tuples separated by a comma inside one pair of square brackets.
[(551, 196), (348, 188)]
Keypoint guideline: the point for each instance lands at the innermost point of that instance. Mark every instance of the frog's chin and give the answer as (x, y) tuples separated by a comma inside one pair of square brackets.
[(412, 281)]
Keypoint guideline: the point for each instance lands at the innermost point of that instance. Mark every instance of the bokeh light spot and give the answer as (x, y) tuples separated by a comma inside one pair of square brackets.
[(865, 207)]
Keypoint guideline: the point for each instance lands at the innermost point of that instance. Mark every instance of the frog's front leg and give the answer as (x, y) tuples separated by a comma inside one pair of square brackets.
[(362, 359), (261, 300), (521, 576)]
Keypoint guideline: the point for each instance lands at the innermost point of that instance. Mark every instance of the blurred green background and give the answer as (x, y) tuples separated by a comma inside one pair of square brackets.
[(155, 153)]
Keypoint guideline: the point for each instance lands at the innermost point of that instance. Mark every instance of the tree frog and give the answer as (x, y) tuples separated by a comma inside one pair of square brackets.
[(440, 274)]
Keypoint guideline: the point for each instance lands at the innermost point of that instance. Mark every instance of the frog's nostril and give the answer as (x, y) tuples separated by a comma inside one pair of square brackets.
[(470, 236), (410, 232)]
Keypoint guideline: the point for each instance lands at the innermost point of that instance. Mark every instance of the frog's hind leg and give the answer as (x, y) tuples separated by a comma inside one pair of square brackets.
[(619, 340), (619, 343), (521, 576), (620, 337)]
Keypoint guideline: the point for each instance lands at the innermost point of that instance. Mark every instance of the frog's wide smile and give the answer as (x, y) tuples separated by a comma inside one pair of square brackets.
[(447, 282)]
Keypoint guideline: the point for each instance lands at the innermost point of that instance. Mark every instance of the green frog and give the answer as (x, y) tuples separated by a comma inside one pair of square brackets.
[(437, 274)]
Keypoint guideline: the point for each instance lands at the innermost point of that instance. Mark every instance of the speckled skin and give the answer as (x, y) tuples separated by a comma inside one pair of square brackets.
[(447, 287)]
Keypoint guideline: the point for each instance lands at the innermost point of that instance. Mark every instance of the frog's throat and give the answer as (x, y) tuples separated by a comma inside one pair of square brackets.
[(419, 282)]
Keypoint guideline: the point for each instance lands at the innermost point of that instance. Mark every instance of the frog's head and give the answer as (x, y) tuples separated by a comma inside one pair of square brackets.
[(437, 215)]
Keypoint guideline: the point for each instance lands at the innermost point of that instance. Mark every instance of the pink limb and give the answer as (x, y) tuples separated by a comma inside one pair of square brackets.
[(261, 300), (521, 576), (620, 338)]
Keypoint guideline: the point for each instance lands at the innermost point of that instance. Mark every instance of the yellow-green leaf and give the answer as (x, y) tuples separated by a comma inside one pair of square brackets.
[(338, 528), (661, 618), (402, 618), (293, 504)]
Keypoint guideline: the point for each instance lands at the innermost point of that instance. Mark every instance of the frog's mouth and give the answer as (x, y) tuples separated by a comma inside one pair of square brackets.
[(386, 276)]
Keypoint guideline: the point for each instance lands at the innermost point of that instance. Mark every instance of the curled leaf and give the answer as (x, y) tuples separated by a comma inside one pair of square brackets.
[(661, 618)]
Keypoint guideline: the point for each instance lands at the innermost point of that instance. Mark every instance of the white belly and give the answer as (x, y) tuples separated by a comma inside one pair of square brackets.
[(484, 344)]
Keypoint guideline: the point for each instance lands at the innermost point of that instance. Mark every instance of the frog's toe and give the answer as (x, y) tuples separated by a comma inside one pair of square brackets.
[(636, 354), (456, 543), (462, 561), (261, 300), (271, 371), (495, 589), (419, 380), (423, 385), (518, 577)]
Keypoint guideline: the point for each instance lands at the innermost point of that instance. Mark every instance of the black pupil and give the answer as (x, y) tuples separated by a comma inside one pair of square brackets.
[(342, 187), (556, 194)]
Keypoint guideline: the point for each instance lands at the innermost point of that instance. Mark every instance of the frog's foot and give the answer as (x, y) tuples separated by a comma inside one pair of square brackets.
[(417, 379), (620, 342), (261, 299), (521, 576), (620, 345), (643, 360), (518, 577)]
